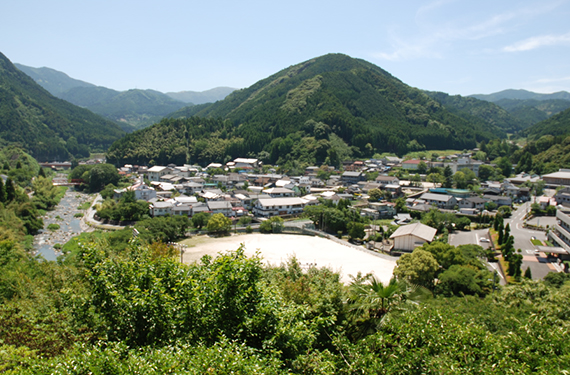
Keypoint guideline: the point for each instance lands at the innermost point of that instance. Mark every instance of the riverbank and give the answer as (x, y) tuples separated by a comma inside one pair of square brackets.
[(69, 225)]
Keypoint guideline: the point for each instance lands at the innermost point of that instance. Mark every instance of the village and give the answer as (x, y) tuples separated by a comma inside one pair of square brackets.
[(245, 187)]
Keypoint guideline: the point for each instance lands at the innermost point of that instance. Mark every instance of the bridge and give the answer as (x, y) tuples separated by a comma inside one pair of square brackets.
[(63, 181)]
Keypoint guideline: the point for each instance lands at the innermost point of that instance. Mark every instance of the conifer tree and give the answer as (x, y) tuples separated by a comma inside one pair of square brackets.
[(10, 190), (2, 191)]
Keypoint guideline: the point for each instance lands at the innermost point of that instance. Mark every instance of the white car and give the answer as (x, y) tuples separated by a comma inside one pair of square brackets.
[(484, 239)]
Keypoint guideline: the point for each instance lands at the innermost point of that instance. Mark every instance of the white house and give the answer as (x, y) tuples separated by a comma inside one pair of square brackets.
[(156, 172), (221, 207), (279, 192), (161, 208), (268, 207), (440, 200), (408, 237)]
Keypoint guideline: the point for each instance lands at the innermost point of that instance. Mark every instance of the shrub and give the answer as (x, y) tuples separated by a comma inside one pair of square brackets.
[(53, 227)]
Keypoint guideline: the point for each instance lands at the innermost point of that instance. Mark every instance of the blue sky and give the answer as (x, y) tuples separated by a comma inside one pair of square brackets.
[(458, 47)]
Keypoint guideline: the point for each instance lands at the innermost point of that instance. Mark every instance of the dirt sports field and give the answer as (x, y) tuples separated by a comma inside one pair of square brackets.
[(277, 248)]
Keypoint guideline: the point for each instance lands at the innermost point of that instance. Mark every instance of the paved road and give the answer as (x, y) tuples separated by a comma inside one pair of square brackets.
[(539, 266), (476, 237)]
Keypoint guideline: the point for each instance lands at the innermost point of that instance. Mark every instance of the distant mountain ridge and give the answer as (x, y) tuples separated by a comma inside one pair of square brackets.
[(137, 108), (131, 109), (196, 97), (521, 95), (528, 107), (47, 127), (54, 81)]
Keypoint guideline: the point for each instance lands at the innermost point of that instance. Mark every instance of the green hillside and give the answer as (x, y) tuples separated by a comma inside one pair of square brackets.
[(557, 125), (477, 111), (548, 146), (130, 109), (137, 108), (363, 105), (531, 111), (54, 81), (46, 127)]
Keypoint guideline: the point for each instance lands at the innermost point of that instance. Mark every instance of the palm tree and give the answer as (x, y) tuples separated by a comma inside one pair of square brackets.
[(370, 300)]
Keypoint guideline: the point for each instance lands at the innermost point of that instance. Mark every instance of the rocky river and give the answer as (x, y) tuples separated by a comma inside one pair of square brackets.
[(64, 216)]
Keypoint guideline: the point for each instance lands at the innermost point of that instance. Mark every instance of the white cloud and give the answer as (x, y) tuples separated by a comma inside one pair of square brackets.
[(551, 80), (431, 40), (538, 41)]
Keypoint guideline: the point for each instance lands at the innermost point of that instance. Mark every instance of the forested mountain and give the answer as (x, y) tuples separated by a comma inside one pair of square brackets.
[(54, 81), (556, 125), (477, 111), (47, 127), (137, 108), (201, 97), (322, 110), (548, 146), (130, 109), (521, 95), (531, 111)]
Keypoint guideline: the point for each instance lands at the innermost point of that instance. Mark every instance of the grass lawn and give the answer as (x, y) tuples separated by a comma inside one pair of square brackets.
[(536, 242)]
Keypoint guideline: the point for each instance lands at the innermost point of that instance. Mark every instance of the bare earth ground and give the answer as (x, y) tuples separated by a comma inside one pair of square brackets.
[(278, 248)]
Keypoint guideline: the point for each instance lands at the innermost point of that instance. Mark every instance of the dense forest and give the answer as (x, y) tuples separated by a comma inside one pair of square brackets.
[(135, 309), (47, 127), (477, 111), (320, 111)]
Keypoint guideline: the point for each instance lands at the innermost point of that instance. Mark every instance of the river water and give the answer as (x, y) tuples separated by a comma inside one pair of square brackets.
[(70, 226)]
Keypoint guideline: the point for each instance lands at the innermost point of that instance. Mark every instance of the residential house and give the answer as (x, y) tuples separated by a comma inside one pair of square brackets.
[(384, 209), (161, 208), (408, 237), (466, 163), (500, 200), (350, 178), (388, 180), (156, 172), (221, 207), (245, 163), (563, 196), (182, 210), (412, 164), (476, 203), (440, 200), (267, 207), (277, 192)]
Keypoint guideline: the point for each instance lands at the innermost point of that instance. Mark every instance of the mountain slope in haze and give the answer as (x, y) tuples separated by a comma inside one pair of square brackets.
[(45, 126), (201, 97), (130, 109), (54, 81), (531, 111), (477, 111), (324, 110), (138, 108), (521, 95)]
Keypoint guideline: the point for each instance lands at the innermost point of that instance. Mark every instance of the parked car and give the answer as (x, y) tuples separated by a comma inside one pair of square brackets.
[(484, 239)]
